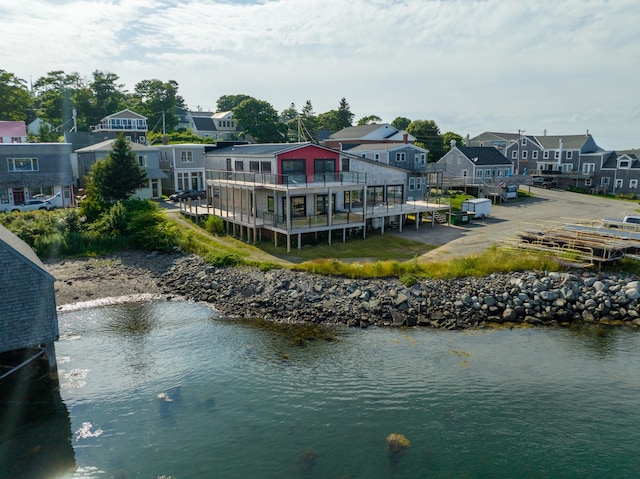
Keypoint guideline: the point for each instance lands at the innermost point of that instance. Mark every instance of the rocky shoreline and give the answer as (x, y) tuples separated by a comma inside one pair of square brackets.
[(288, 296)]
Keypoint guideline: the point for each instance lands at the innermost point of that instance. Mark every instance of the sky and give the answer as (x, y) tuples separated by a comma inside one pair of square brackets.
[(561, 66)]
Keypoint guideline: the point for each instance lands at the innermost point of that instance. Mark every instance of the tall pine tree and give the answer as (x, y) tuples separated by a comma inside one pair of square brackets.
[(118, 176)]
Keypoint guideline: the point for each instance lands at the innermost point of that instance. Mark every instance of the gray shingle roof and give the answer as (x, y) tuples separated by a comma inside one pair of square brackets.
[(487, 155), (360, 131)]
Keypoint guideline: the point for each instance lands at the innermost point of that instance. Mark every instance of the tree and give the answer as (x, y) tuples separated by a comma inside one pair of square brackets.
[(108, 95), (428, 134), (401, 123), (118, 175), (309, 120), (153, 98), (448, 136), (15, 99), (260, 120), (229, 102), (366, 120), (330, 120), (56, 96), (345, 117)]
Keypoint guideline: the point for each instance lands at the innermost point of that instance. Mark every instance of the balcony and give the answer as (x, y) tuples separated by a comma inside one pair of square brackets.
[(271, 180)]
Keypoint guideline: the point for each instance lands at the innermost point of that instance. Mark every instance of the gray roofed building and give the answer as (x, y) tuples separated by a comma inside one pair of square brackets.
[(361, 134), (28, 317)]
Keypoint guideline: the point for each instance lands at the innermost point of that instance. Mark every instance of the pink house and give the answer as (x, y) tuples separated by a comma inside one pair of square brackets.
[(13, 132)]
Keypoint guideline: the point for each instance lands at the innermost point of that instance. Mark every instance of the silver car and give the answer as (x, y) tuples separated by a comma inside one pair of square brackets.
[(32, 205)]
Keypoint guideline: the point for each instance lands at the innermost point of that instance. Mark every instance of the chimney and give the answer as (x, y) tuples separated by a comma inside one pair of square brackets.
[(453, 143), (545, 132), (405, 137), (165, 140)]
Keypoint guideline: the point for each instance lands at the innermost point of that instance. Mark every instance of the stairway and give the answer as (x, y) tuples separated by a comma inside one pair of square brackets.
[(439, 217)]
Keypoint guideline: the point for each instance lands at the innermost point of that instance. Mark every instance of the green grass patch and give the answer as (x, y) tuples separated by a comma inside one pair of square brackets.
[(375, 247)]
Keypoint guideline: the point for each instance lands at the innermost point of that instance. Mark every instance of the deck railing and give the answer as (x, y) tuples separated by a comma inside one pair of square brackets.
[(289, 181)]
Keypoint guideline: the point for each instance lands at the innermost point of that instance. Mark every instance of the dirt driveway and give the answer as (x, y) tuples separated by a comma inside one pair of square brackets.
[(546, 205)]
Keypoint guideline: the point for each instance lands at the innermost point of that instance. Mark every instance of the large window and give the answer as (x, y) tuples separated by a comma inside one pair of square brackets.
[(375, 195), (324, 170), (354, 198), (322, 204), (186, 156), (23, 164), (401, 157), (294, 171), (394, 194), (239, 165), (298, 206), (254, 166)]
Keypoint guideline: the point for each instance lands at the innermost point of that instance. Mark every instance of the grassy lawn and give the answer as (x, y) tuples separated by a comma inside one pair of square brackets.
[(375, 247)]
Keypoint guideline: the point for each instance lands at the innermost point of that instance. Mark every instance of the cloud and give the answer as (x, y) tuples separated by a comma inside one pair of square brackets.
[(458, 61)]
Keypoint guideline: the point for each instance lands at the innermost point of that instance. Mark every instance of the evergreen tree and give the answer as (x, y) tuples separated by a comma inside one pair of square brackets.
[(118, 176), (345, 116)]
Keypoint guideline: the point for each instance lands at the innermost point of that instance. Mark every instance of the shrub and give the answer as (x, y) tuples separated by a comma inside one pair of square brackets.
[(214, 225), (221, 259)]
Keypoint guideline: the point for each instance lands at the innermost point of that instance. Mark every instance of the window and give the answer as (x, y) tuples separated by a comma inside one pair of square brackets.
[(464, 173), (376, 156), (604, 181), (478, 173), (394, 194), (142, 161), (514, 154), (375, 195), (588, 167), (353, 198), (400, 157), (556, 155), (633, 184), (294, 171), (22, 164), (238, 165), (412, 184), (183, 180), (569, 154), (265, 166), (523, 141), (545, 155), (186, 156), (298, 206), (271, 204), (624, 164), (16, 139), (588, 182), (499, 172), (534, 154), (254, 166), (324, 170), (419, 159), (345, 164), (618, 183), (525, 154), (487, 173)]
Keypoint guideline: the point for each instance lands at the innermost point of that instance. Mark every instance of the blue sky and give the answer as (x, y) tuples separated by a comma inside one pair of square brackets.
[(566, 66)]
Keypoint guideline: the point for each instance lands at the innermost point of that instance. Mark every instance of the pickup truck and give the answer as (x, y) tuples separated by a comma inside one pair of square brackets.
[(627, 222)]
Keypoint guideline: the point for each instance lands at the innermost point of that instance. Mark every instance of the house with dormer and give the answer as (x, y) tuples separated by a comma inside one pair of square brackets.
[(619, 173), (362, 134), (523, 150)]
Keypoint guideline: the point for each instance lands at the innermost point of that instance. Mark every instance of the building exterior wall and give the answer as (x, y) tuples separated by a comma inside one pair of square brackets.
[(28, 309), (53, 176)]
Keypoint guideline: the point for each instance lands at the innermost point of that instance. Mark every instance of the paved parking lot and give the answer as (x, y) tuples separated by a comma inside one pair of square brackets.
[(545, 206)]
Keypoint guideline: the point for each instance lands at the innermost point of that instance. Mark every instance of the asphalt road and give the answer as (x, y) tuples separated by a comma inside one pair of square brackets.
[(506, 219)]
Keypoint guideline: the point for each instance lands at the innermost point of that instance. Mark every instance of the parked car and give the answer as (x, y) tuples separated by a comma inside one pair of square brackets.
[(543, 182), (188, 195), (32, 205)]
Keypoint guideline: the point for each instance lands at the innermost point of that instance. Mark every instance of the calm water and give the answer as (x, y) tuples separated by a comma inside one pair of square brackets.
[(161, 388)]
